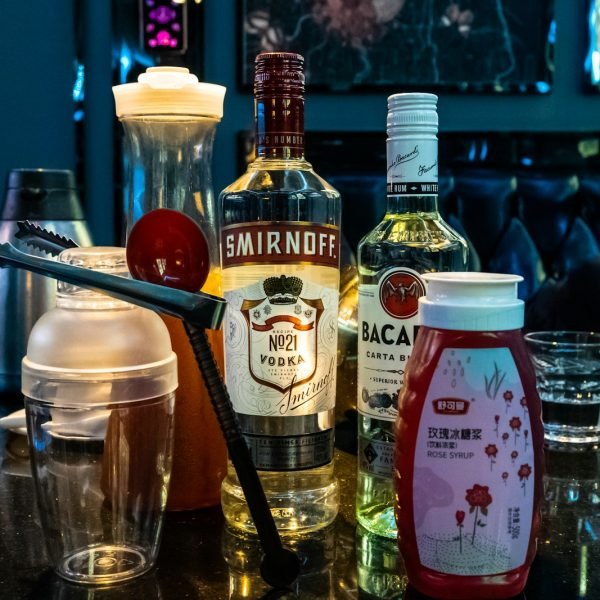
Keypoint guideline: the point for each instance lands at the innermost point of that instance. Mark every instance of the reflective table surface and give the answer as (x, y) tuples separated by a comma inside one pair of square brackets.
[(200, 558)]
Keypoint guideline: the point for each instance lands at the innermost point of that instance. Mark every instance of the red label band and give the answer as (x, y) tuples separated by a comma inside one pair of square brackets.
[(283, 319), (280, 243)]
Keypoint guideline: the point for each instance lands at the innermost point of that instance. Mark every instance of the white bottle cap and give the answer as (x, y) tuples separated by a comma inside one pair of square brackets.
[(412, 152), (471, 302), (169, 91), (412, 113)]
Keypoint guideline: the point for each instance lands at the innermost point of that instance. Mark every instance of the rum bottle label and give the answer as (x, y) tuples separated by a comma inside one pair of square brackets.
[(388, 324), (412, 167)]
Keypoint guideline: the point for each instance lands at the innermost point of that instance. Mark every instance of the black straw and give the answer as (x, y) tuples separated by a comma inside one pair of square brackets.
[(280, 566)]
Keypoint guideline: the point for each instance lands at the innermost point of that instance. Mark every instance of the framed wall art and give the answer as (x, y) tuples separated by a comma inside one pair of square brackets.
[(451, 45), (592, 59)]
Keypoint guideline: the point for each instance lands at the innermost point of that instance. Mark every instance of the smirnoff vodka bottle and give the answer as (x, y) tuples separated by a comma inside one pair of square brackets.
[(412, 239), (280, 261)]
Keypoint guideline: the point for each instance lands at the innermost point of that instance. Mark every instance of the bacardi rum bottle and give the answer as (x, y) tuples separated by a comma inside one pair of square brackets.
[(412, 239), (280, 260)]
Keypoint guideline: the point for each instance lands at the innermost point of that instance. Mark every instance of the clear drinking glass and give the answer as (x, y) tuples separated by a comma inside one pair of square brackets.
[(567, 365), (101, 476)]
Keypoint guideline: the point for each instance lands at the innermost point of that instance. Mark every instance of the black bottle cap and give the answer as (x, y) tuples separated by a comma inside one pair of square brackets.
[(41, 195), (61, 179)]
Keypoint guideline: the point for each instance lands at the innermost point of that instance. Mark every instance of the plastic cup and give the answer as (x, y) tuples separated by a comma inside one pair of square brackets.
[(101, 479), (567, 365)]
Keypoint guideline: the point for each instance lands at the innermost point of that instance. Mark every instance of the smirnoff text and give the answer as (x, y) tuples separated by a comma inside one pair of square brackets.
[(280, 243)]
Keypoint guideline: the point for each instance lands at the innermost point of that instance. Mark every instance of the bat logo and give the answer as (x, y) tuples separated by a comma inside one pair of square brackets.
[(400, 291), (399, 294)]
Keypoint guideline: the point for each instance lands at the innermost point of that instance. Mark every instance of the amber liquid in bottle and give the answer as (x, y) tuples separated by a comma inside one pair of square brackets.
[(200, 442)]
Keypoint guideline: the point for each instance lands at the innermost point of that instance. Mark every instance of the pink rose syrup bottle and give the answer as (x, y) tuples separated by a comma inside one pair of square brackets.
[(469, 442)]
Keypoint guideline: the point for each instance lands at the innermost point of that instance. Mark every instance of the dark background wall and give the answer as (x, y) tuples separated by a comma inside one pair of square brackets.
[(38, 71), (37, 46), (566, 108)]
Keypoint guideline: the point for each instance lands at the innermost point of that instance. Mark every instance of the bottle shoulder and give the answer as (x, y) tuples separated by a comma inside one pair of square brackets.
[(415, 229), (422, 242), (293, 176)]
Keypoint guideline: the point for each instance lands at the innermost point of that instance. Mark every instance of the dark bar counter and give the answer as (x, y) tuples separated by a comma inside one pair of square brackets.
[(201, 559)]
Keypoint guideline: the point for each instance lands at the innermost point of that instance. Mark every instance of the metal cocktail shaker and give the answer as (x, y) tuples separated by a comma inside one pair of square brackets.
[(49, 199)]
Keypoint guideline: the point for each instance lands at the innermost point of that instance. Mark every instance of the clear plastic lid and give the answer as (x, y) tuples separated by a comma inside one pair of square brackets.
[(94, 350), (169, 91)]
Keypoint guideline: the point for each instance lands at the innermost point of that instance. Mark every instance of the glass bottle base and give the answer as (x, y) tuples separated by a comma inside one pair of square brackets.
[(375, 503), (300, 501), (378, 519)]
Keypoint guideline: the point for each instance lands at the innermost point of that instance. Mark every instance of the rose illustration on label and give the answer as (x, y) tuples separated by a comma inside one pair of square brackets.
[(513, 456), (282, 340), (526, 434), (491, 451), (399, 294), (523, 403), (524, 472), (505, 437), (479, 499), (496, 421), (515, 425), (504, 477), (508, 398)]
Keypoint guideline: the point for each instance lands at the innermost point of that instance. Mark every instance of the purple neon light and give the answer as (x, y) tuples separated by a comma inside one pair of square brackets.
[(163, 38), (162, 14)]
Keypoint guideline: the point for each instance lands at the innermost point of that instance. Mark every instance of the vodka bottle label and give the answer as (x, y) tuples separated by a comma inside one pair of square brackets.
[(281, 334), (473, 484)]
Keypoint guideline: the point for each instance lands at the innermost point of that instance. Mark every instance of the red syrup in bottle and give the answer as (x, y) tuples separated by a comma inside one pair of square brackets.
[(469, 442)]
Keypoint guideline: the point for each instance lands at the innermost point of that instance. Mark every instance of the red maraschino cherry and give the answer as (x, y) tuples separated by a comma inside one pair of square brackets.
[(168, 248)]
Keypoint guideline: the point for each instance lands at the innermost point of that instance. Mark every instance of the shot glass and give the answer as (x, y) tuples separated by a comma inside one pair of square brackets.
[(101, 480), (567, 365)]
